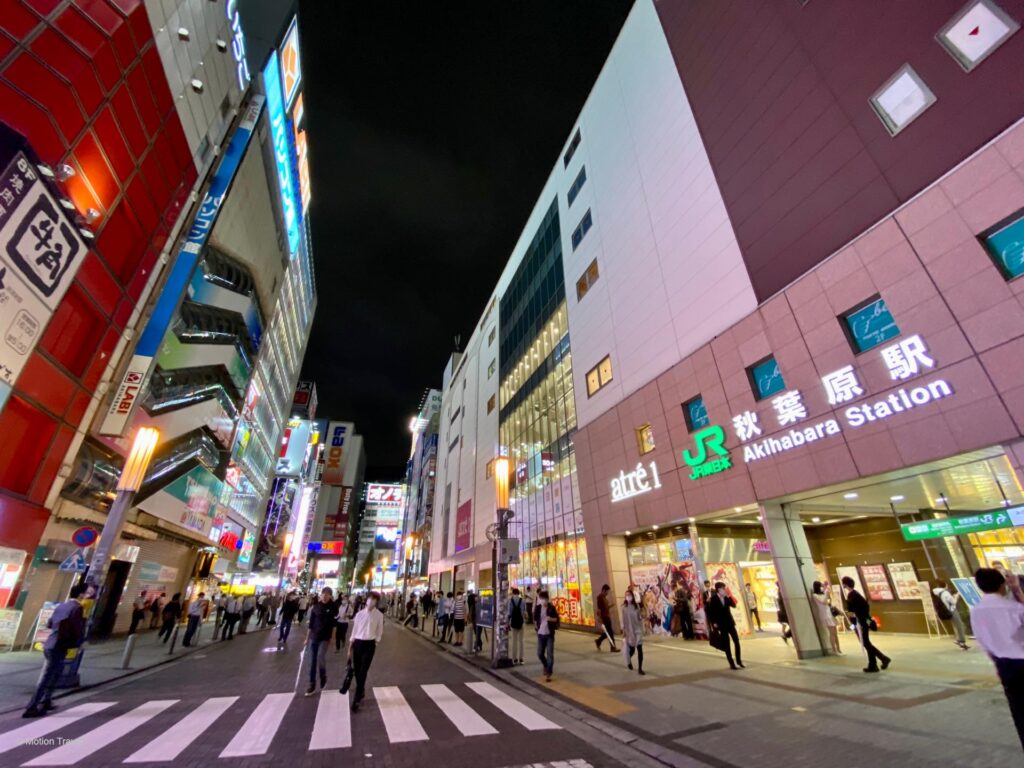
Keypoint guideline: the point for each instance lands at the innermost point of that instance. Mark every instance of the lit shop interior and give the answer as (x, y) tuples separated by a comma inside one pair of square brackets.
[(890, 533)]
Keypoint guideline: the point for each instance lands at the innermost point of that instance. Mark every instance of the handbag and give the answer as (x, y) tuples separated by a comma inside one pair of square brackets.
[(349, 674), (717, 639)]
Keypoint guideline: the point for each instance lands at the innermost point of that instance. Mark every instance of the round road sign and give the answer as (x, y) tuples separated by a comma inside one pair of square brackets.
[(84, 536)]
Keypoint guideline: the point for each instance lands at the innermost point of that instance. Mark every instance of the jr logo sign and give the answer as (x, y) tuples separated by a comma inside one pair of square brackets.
[(710, 456)]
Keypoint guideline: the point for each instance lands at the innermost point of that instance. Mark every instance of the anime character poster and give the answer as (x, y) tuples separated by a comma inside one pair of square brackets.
[(655, 586), (729, 573)]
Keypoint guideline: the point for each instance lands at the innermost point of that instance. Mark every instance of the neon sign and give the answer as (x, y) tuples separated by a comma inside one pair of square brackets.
[(630, 484), (282, 151), (238, 44), (712, 438)]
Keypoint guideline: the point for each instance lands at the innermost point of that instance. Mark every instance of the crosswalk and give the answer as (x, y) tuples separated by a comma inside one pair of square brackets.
[(472, 709)]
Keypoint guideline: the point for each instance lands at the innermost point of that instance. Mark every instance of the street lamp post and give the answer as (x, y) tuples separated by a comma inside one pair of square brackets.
[(128, 484), (499, 566)]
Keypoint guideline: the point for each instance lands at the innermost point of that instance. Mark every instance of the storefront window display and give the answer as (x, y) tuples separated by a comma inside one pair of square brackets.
[(1005, 546)]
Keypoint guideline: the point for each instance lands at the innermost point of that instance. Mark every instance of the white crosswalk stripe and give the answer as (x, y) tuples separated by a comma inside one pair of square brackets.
[(175, 740), (40, 729), (513, 708), (82, 746), (459, 712), (331, 727), (254, 737), (399, 719)]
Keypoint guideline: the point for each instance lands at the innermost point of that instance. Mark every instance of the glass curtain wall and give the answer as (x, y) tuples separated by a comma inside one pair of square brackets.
[(537, 421)]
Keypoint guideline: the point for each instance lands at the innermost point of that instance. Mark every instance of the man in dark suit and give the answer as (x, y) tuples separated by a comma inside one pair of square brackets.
[(858, 605), (719, 615)]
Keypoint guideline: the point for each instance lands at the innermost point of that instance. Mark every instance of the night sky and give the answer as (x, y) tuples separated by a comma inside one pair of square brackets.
[(433, 126)]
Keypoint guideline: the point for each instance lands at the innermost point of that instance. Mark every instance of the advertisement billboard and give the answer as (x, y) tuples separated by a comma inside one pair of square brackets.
[(294, 444), (384, 495), (291, 64), (464, 526), (282, 151), (334, 451)]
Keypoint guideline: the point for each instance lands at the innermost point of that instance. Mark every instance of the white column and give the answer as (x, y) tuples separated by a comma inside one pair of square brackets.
[(795, 569)]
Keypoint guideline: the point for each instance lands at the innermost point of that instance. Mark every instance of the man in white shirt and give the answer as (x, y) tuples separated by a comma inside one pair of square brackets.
[(195, 615), (999, 627), (367, 629)]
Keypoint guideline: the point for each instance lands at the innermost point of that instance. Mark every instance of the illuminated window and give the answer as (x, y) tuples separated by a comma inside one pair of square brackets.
[(490, 403), (587, 280), (1005, 245), (599, 376), (766, 378), (696, 414), (581, 230), (645, 439), (869, 325), (577, 185)]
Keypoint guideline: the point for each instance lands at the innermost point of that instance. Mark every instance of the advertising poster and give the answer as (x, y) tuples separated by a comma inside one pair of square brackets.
[(876, 582), (904, 579), (730, 574), (42, 631), (485, 609), (843, 571), (10, 620), (655, 585), (464, 526)]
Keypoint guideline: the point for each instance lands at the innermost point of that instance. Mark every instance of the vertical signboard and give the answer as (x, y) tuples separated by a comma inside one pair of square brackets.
[(40, 252), (334, 450), (152, 336), (464, 526), (282, 151)]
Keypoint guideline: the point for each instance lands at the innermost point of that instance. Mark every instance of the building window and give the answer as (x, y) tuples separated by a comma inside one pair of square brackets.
[(902, 98), (581, 230), (489, 470), (869, 325), (586, 282), (766, 378), (490, 403), (1005, 244), (599, 376), (645, 439), (975, 32), (491, 335), (490, 368), (695, 414), (573, 145), (581, 179)]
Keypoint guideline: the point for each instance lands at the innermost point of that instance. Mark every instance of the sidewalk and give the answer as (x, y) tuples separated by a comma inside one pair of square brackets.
[(20, 670), (936, 706)]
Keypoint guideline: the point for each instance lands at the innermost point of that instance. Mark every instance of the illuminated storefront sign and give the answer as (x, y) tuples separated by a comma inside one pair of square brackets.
[(245, 553), (282, 151), (333, 473), (702, 462), (384, 495), (630, 484), (237, 44), (960, 526), (327, 547), (291, 66)]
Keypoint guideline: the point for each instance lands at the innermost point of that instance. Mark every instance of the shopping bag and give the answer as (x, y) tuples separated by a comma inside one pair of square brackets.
[(717, 639)]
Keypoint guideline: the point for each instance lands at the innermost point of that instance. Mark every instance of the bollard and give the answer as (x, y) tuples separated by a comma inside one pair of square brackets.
[(129, 646), (174, 639)]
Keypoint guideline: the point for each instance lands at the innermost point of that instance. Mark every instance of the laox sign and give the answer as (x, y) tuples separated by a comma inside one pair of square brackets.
[(630, 484)]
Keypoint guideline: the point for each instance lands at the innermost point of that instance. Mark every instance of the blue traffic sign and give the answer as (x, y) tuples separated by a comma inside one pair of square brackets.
[(84, 536), (73, 563)]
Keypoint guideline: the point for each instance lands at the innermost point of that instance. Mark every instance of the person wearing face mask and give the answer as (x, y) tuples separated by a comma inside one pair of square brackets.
[(367, 630), (545, 620), (719, 615), (633, 631)]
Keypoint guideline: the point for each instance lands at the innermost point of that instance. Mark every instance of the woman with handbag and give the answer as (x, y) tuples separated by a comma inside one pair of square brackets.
[(826, 617), (633, 632)]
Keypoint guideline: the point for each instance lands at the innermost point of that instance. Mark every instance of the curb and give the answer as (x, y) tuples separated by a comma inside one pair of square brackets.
[(184, 653)]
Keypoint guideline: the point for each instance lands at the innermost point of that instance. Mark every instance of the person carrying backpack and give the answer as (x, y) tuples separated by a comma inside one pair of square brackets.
[(945, 603), (516, 619)]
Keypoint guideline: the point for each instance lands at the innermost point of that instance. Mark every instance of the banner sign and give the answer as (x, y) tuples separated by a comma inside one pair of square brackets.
[(40, 252), (334, 450), (464, 526), (282, 151), (120, 409), (957, 526)]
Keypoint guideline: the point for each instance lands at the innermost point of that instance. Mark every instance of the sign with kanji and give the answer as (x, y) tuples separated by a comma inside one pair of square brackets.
[(40, 252), (956, 526), (384, 495)]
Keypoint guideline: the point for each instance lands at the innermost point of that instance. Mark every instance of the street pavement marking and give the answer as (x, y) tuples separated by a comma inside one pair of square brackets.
[(518, 711), (333, 726), (459, 712), (255, 735), (173, 741), (81, 747), (399, 719), (47, 725)]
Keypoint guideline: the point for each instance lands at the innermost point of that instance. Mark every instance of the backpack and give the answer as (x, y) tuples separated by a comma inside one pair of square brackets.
[(940, 608), (516, 618)]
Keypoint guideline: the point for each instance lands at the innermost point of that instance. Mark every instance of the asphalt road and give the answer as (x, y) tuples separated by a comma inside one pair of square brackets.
[(241, 702)]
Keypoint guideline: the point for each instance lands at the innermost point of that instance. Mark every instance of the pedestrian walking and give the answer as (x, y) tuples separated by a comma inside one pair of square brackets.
[(633, 632), (752, 605), (787, 631), (459, 617), (947, 609), (262, 609), (232, 613), (170, 615), (248, 608), (444, 603), (221, 602), (367, 630), (546, 621), (473, 615), (604, 613), (682, 618), (427, 607), (516, 620), (138, 611), (288, 611), (720, 618), (412, 615), (528, 602), (321, 625), (303, 606), (826, 617), (858, 605), (195, 616), (275, 606), (341, 620), (67, 623), (998, 625), (155, 609)]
